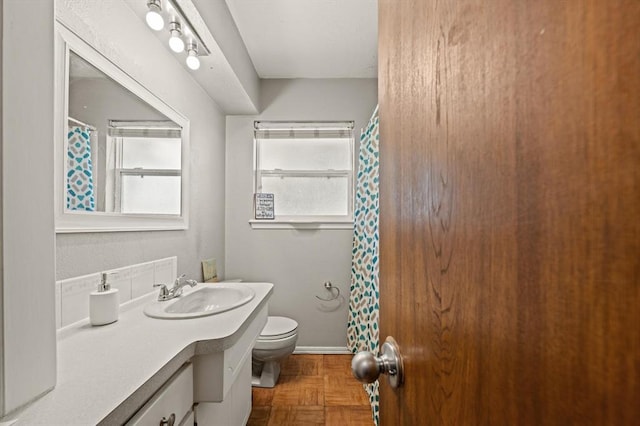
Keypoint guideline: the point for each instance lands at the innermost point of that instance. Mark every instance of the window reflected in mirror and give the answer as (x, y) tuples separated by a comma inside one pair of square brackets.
[(122, 155)]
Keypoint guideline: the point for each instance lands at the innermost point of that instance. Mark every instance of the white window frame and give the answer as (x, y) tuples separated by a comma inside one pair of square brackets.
[(117, 143), (305, 221)]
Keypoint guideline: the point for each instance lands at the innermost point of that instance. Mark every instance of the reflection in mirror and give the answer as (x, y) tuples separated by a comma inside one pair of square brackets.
[(122, 155)]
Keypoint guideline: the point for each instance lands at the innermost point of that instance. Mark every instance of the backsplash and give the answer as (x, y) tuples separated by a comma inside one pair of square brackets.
[(72, 294)]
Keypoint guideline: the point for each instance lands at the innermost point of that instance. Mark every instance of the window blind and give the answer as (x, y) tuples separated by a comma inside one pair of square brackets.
[(144, 129), (302, 130)]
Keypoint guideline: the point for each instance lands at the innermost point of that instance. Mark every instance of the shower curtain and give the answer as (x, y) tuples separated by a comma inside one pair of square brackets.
[(362, 331), (80, 189)]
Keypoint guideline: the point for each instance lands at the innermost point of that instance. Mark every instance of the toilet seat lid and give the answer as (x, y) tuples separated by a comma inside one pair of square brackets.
[(278, 327)]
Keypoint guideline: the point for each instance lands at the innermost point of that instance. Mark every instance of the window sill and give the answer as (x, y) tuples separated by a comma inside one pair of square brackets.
[(300, 224)]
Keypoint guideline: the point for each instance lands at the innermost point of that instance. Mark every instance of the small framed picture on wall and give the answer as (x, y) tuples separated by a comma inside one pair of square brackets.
[(263, 206)]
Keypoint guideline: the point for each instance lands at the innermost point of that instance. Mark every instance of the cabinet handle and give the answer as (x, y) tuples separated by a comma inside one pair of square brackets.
[(170, 422)]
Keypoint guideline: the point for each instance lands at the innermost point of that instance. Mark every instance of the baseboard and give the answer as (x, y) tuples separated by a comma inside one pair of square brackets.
[(326, 350)]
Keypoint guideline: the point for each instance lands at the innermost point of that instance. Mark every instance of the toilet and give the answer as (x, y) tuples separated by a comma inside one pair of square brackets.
[(277, 341)]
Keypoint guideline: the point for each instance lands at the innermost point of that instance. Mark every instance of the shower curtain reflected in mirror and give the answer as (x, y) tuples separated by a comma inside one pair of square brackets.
[(80, 187), (362, 331)]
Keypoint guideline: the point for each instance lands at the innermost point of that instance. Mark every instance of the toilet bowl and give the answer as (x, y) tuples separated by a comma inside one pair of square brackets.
[(277, 341)]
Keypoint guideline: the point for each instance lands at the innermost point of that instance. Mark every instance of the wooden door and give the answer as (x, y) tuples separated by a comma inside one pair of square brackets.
[(510, 210)]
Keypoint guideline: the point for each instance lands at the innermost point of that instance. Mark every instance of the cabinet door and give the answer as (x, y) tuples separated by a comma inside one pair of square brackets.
[(174, 398), (236, 406)]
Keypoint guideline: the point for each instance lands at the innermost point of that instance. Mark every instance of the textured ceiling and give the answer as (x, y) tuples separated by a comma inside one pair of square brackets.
[(309, 38)]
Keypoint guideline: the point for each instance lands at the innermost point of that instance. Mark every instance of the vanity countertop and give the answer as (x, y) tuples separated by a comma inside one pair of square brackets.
[(106, 373)]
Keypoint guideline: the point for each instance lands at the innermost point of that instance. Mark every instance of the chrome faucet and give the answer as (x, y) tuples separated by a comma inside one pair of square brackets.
[(176, 290)]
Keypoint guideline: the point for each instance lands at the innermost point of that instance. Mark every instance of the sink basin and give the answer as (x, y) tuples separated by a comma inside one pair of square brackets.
[(209, 299)]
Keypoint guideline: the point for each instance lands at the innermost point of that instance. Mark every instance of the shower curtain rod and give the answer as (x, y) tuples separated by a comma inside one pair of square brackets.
[(80, 123)]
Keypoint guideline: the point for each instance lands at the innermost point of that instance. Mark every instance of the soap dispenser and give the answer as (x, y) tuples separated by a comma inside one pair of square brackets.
[(103, 303)]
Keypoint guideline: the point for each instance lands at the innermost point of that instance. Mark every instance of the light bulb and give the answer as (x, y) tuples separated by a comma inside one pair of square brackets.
[(192, 56), (192, 60), (175, 42), (154, 18)]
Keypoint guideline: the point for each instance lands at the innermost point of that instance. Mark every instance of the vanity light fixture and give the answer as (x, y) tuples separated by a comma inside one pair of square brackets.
[(192, 56), (181, 35), (154, 15), (175, 41)]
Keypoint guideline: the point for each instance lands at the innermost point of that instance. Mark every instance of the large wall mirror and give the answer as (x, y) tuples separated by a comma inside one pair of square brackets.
[(121, 153)]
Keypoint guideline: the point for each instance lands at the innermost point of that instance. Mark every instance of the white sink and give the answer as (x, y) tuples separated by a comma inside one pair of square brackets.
[(208, 299)]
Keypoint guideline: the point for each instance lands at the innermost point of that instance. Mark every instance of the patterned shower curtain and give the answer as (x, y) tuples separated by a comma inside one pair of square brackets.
[(362, 331), (80, 189)]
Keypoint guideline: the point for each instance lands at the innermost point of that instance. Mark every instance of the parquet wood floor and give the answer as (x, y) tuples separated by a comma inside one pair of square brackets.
[(312, 390)]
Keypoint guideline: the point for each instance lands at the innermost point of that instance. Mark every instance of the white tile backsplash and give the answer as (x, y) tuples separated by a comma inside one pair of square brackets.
[(166, 270), (72, 295), (121, 279), (142, 279)]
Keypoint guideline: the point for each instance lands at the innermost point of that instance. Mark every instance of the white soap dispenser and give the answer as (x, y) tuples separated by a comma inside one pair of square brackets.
[(103, 303)]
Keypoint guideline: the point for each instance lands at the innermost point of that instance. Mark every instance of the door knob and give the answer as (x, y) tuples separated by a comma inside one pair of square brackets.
[(367, 367)]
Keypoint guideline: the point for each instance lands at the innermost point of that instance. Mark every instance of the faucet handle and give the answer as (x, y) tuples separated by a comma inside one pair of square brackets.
[(164, 292), (180, 279)]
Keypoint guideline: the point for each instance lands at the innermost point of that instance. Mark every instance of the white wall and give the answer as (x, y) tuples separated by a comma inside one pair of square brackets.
[(119, 34), (28, 322), (297, 262)]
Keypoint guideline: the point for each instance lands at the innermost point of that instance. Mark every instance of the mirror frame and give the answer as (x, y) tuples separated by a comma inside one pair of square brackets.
[(77, 222)]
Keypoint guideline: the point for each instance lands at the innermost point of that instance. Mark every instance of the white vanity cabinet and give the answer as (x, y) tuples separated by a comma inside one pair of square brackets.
[(222, 381), (218, 383), (171, 403)]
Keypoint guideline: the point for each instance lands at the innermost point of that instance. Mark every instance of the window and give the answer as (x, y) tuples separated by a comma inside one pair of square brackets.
[(146, 177), (309, 169)]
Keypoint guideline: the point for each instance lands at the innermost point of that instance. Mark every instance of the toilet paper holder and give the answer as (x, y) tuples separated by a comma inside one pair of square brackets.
[(329, 287)]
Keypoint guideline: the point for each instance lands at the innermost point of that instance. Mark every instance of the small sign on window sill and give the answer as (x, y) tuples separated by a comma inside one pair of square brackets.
[(264, 206)]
